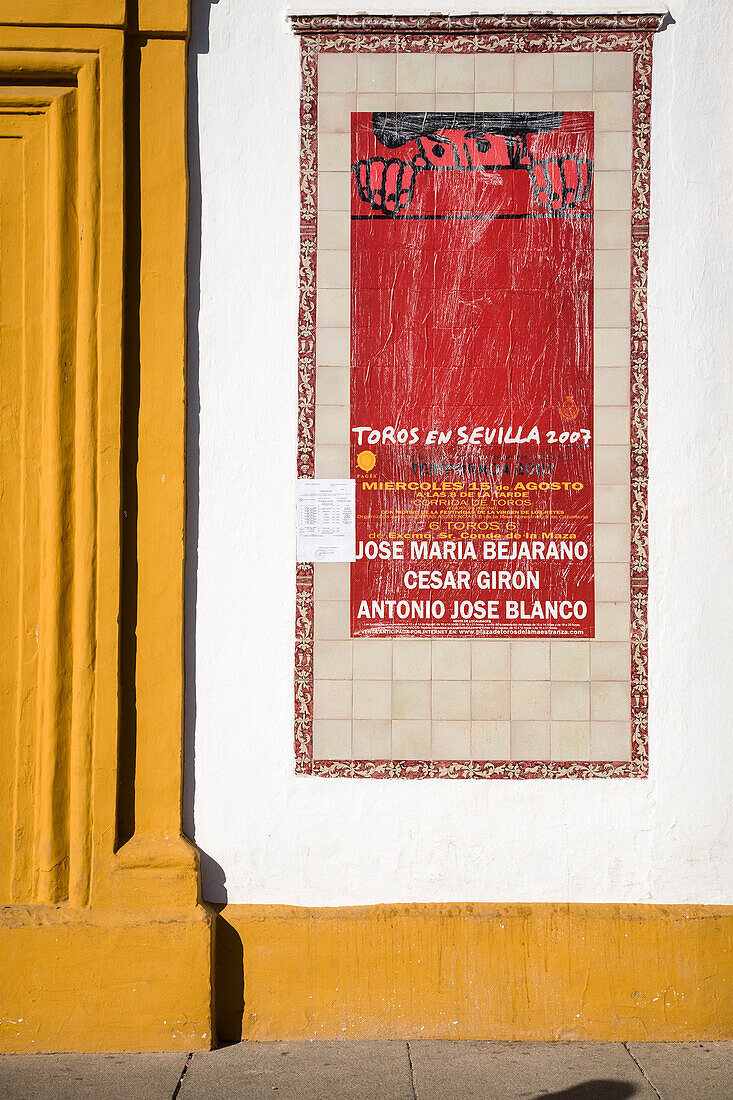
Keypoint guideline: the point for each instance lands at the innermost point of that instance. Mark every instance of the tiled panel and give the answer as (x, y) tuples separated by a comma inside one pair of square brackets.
[(451, 740), (411, 659), (411, 739), (570, 740), (336, 74), (489, 699), (491, 740), (494, 73), (454, 73), (331, 739), (372, 739), (416, 74)]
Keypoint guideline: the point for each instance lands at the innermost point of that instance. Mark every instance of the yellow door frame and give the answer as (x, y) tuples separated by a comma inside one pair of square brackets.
[(105, 940)]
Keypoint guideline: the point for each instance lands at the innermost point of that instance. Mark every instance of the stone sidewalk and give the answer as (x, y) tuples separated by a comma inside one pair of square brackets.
[(420, 1070)]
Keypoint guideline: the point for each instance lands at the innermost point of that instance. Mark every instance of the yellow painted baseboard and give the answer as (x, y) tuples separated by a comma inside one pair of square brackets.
[(462, 971), (77, 980), (103, 980)]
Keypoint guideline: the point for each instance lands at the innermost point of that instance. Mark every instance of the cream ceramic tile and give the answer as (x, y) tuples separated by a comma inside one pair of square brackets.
[(533, 72), (569, 659), (415, 72), (491, 740), (411, 658), (611, 347), (451, 741), (573, 72), (334, 113), (612, 582), (533, 101), (612, 622), (416, 101), (376, 101), (333, 268), (332, 660), (332, 347), (376, 72), (451, 700), (332, 308), (451, 658), (454, 101), (490, 699), (610, 740), (611, 505), (411, 699), (612, 110), (612, 151), (336, 72), (454, 72), (334, 230), (611, 386), (613, 71), (494, 72), (332, 699), (332, 580), (610, 701), (612, 228), (494, 101), (334, 191), (611, 465), (489, 659), (612, 190), (334, 152), (372, 658), (411, 739), (612, 426), (611, 308), (332, 424), (572, 101), (530, 660), (372, 699), (612, 268), (530, 699), (570, 701), (611, 660), (332, 385), (372, 739), (331, 739), (570, 740), (331, 620), (332, 461), (530, 740)]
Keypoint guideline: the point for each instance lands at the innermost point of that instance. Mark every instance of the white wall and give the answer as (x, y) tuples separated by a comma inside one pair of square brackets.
[(282, 838)]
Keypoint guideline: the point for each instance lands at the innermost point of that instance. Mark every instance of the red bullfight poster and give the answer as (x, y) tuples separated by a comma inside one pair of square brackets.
[(472, 374)]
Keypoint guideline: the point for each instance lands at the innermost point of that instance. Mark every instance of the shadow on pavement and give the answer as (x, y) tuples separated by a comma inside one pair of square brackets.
[(593, 1090)]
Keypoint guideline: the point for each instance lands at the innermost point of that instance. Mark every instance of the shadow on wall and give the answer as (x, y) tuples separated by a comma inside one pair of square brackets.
[(199, 44), (228, 981), (228, 952)]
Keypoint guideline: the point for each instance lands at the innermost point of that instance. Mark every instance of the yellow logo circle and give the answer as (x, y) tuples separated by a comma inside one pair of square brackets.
[(366, 461)]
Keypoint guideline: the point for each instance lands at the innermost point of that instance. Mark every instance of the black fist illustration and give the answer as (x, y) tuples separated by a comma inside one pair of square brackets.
[(387, 185), (560, 183)]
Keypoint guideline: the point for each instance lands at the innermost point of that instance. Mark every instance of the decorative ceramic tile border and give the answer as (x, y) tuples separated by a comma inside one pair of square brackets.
[(474, 24), (480, 34)]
